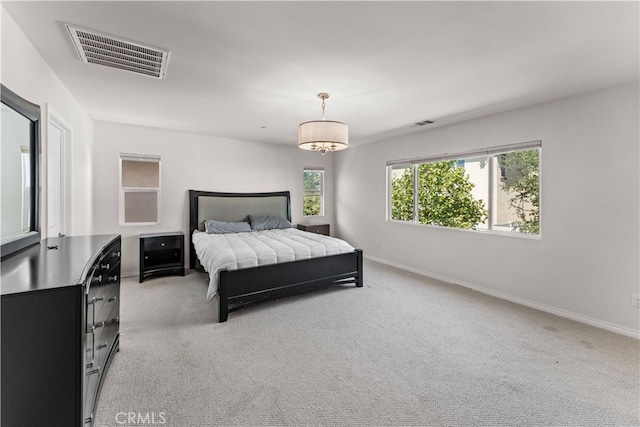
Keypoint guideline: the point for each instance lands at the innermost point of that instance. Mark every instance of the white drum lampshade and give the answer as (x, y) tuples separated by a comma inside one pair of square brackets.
[(323, 135)]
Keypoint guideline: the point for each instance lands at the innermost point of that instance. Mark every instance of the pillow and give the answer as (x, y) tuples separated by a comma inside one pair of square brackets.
[(221, 227), (268, 222)]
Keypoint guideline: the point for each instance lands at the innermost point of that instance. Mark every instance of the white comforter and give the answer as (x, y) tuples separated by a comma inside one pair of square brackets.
[(251, 249)]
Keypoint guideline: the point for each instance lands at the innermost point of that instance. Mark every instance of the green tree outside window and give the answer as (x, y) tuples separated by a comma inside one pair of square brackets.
[(444, 196), (522, 182), (312, 192)]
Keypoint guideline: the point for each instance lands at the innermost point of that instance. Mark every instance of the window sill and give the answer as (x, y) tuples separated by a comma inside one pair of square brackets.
[(514, 234)]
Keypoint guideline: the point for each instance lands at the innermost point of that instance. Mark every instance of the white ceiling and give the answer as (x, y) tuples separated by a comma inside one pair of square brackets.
[(251, 70)]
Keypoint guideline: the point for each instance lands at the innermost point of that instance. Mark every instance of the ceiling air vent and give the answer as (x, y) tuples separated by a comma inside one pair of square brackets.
[(102, 49), (422, 123)]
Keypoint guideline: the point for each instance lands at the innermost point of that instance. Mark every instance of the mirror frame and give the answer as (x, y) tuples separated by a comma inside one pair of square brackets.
[(32, 112)]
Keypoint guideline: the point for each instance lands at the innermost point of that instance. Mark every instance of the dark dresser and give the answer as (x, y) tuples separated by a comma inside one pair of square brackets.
[(60, 329)]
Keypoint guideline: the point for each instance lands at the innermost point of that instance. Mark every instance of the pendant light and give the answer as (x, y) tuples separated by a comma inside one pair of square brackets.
[(323, 135)]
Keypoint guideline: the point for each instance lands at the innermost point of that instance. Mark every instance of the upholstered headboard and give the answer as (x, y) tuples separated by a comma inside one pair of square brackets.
[(205, 205)]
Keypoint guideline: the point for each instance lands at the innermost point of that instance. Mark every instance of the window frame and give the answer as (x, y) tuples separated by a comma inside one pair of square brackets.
[(125, 190), (25, 160), (490, 154), (319, 170)]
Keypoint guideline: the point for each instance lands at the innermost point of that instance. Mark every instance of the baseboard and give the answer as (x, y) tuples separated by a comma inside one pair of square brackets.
[(127, 274), (502, 295)]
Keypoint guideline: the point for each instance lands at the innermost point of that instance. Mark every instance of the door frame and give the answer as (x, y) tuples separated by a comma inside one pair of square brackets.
[(55, 119)]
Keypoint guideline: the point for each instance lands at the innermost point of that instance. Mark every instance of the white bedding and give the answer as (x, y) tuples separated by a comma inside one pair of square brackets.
[(241, 250)]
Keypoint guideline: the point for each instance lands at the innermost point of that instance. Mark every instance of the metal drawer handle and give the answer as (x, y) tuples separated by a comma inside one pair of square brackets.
[(162, 244), (89, 365), (101, 346), (116, 254), (112, 278), (93, 371), (112, 299), (104, 266), (99, 325), (95, 300), (98, 279), (88, 420)]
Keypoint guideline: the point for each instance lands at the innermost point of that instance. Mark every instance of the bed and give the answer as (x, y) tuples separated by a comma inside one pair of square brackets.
[(235, 286)]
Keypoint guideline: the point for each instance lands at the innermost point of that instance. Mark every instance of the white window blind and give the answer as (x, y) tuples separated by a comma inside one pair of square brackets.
[(139, 189)]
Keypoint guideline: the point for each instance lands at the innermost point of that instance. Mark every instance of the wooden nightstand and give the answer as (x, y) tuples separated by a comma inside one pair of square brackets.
[(161, 254), (315, 228)]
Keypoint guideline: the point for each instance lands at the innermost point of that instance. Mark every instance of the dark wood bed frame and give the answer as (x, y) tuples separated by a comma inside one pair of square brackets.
[(242, 287)]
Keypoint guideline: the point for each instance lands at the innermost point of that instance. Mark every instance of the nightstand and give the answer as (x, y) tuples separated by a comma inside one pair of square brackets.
[(161, 254), (315, 228)]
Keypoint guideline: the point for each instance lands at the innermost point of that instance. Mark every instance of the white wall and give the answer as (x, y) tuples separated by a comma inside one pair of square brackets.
[(25, 72), (194, 162), (586, 264)]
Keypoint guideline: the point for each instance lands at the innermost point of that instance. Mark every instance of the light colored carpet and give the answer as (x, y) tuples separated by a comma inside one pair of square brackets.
[(404, 350)]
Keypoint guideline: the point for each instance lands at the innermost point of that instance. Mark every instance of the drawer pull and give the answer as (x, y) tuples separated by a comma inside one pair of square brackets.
[(88, 420), (112, 278), (95, 300), (97, 279), (93, 371), (112, 299), (163, 244), (89, 365), (101, 346), (99, 325), (104, 266), (116, 254)]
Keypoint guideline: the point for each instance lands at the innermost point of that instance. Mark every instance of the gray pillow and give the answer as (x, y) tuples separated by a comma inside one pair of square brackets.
[(268, 222), (221, 227)]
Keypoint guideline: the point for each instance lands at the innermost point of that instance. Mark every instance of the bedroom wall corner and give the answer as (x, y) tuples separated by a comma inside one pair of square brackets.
[(24, 71), (586, 263), (197, 162)]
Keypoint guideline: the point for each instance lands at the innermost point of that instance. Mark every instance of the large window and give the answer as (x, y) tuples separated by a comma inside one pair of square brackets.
[(313, 191), (139, 189), (496, 189)]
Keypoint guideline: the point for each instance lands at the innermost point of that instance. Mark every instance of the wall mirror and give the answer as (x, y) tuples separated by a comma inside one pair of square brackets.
[(20, 213)]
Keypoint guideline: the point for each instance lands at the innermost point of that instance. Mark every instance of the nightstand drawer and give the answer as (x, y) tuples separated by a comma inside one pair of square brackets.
[(315, 228), (164, 242)]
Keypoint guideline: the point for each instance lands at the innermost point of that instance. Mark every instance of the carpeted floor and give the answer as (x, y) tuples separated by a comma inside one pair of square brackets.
[(402, 351)]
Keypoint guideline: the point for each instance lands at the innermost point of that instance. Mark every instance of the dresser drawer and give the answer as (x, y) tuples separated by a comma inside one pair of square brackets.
[(107, 267), (105, 335), (91, 381), (100, 300), (99, 278), (108, 258), (110, 295)]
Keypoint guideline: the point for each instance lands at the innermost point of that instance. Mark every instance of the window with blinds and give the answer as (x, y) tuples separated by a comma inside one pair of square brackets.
[(139, 189)]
